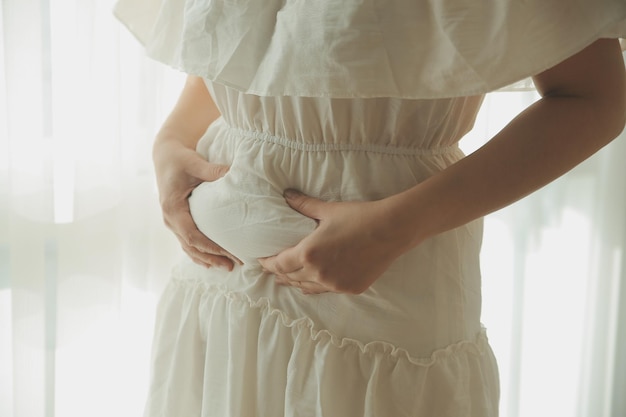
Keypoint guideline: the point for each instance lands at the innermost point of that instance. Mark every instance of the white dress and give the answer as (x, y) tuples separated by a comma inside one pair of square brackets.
[(235, 344)]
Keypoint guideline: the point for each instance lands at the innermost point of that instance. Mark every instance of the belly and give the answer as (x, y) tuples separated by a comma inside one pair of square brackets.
[(247, 220), (245, 213)]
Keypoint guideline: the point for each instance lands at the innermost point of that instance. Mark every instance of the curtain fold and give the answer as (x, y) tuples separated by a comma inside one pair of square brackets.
[(83, 251), (553, 283), (84, 254)]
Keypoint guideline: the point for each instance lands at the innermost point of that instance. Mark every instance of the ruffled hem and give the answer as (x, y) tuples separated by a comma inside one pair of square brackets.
[(323, 336), (414, 49), (222, 353)]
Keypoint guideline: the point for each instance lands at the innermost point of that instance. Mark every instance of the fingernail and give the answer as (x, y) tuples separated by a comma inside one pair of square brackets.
[(291, 193)]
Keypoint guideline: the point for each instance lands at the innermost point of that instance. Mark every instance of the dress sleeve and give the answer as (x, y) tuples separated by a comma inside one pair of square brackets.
[(376, 48)]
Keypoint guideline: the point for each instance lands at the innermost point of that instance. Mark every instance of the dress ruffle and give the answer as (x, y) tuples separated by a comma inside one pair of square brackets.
[(415, 49), (310, 371)]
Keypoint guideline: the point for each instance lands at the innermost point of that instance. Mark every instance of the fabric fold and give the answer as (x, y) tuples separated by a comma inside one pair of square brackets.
[(423, 49), (305, 365)]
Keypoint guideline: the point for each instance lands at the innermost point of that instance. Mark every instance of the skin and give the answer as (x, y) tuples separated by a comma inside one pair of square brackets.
[(179, 169), (582, 108)]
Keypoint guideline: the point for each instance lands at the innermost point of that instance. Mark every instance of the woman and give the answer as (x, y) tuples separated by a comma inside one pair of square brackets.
[(312, 157)]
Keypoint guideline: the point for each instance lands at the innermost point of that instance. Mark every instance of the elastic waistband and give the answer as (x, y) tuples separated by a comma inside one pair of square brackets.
[(338, 147)]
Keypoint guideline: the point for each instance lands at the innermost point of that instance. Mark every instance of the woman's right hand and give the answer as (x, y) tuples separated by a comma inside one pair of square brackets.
[(179, 170)]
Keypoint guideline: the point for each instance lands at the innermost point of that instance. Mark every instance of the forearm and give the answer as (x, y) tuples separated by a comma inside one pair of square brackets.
[(541, 144), (191, 116), (582, 109), (180, 169)]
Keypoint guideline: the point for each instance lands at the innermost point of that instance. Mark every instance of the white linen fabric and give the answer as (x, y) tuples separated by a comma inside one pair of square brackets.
[(302, 108), (236, 344), (415, 49)]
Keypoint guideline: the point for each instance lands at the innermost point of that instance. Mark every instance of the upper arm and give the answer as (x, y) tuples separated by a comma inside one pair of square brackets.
[(596, 74)]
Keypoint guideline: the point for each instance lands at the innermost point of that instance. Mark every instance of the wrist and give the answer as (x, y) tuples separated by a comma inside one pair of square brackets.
[(165, 145), (400, 224), (169, 137)]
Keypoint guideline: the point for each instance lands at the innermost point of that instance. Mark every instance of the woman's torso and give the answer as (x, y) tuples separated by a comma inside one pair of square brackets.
[(342, 149)]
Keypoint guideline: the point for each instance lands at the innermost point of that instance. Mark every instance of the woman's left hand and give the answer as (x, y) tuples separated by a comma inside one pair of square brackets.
[(354, 243)]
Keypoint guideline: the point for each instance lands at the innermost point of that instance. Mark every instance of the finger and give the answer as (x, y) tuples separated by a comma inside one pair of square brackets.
[(316, 292), (283, 263), (208, 260), (189, 234), (204, 170), (304, 204), (307, 287), (196, 259), (300, 275), (205, 259), (210, 255)]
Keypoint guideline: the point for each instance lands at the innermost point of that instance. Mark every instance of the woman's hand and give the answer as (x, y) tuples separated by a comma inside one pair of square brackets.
[(179, 170), (354, 243)]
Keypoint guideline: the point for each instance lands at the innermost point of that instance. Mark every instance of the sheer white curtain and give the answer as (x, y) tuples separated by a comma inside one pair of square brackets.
[(83, 253), (554, 284)]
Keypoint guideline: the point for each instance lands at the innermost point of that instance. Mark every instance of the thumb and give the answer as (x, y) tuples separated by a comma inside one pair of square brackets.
[(206, 171), (304, 204)]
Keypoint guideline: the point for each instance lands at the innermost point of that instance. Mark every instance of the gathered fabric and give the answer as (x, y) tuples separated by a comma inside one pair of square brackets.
[(227, 354)]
